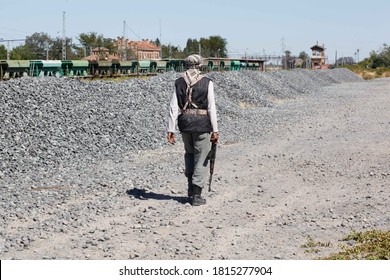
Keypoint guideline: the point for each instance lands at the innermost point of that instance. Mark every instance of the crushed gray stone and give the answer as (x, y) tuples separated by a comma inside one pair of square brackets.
[(52, 123), (61, 138)]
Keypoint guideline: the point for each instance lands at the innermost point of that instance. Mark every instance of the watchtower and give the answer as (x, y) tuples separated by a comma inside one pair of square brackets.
[(318, 56)]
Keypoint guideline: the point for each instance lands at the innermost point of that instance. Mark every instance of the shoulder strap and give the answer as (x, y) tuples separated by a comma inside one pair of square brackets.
[(191, 77), (189, 98)]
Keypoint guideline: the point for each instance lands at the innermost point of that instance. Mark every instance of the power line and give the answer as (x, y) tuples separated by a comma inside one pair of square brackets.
[(8, 41), (132, 31)]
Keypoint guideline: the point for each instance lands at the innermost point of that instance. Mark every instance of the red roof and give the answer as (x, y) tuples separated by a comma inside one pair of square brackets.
[(147, 45)]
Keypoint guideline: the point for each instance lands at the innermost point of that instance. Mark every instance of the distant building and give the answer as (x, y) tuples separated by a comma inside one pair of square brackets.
[(318, 57), (145, 49), (101, 54), (298, 63)]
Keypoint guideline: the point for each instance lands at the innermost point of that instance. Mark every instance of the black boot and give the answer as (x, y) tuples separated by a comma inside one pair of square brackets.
[(197, 199)]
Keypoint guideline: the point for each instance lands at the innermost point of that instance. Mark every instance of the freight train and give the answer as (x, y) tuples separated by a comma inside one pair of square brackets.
[(89, 69)]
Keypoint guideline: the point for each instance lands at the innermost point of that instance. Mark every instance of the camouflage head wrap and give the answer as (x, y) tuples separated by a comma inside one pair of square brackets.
[(193, 61)]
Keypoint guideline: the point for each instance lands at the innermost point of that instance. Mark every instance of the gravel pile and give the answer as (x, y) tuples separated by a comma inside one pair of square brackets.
[(48, 123), (69, 148)]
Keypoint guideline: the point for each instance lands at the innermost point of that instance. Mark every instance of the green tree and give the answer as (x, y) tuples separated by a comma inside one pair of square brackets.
[(385, 55), (79, 51), (376, 61), (92, 40), (303, 55), (38, 46), (214, 46), (286, 60), (3, 52), (380, 58), (56, 49), (191, 47), (348, 60), (22, 53), (305, 59), (169, 51), (156, 42)]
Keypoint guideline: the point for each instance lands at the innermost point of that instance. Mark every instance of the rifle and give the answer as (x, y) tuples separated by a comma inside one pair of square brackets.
[(211, 156)]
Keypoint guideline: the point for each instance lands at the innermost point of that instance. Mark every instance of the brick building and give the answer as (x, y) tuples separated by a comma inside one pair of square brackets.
[(145, 49), (101, 54)]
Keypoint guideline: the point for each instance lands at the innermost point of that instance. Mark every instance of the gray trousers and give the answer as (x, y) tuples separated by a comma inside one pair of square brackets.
[(196, 146)]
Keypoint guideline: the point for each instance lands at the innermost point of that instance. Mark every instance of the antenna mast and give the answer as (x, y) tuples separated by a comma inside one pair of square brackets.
[(124, 41), (63, 38), (161, 56)]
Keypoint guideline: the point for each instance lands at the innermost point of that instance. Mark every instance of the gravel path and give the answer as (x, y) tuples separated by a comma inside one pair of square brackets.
[(86, 172)]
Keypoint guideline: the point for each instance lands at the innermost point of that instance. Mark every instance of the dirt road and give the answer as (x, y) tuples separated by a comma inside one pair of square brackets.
[(319, 174)]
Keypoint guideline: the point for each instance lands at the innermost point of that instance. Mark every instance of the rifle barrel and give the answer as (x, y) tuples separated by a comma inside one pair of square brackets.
[(212, 155)]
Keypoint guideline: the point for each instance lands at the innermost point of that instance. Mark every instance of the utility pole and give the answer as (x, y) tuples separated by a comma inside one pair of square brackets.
[(160, 41), (283, 54), (47, 51), (13, 40), (63, 38), (124, 41)]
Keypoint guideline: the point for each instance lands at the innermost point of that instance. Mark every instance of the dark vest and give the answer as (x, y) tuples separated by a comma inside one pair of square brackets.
[(193, 123)]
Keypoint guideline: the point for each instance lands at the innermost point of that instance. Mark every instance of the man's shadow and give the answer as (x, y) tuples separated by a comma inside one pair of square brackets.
[(143, 195)]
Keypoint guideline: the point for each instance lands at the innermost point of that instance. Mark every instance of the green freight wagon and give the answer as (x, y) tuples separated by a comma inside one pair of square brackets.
[(126, 67), (226, 65), (158, 66), (14, 68), (80, 68), (144, 66), (3, 68), (141, 66), (45, 68), (75, 68), (235, 65), (177, 65), (100, 68)]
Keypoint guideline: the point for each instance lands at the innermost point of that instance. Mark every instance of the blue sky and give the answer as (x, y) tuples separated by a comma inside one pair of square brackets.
[(251, 27)]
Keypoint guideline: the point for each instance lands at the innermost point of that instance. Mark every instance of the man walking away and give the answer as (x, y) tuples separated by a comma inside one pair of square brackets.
[(193, 107)]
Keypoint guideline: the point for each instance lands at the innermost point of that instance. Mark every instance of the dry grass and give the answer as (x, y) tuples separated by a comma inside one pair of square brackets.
[(369, 245), (369, 74)]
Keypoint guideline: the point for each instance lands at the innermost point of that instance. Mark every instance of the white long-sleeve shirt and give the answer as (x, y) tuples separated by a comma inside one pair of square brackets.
[(174, 110)]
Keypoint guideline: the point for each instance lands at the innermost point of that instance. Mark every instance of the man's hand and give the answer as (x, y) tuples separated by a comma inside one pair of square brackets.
[(214, 137), (171, 138)]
